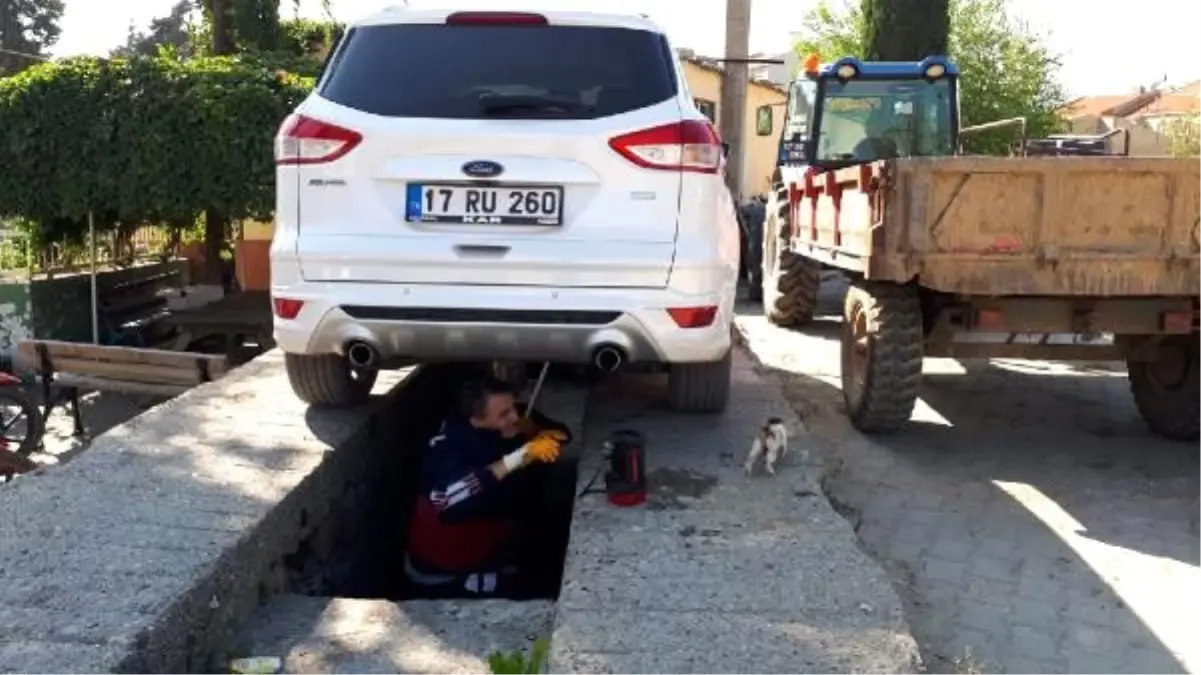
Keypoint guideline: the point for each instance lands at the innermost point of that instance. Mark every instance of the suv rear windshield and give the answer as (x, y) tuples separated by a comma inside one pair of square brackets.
[(511, 72)]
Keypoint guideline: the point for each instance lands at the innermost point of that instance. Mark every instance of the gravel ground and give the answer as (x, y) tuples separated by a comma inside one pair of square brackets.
[(1028, 518)]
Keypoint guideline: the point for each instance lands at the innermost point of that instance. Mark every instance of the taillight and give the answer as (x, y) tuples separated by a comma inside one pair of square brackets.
[(496, 19), (304, 140), (286, 308), (690, 145), (693, 317)]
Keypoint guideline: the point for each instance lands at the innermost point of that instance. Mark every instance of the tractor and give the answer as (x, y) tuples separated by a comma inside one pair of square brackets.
[(1036, 256), (869, 111)]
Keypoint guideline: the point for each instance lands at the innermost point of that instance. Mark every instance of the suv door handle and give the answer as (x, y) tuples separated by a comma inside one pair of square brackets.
[(481, 251)]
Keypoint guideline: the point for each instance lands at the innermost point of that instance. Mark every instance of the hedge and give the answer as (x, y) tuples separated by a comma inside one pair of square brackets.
[(142, 140)]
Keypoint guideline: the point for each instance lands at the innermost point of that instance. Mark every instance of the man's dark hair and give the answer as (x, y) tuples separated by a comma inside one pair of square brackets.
[(473, 397)]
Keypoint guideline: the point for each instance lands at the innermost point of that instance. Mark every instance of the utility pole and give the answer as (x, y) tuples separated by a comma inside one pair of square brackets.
[(733, 90)]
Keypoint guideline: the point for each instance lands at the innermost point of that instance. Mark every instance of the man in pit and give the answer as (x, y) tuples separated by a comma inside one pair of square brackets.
[(490, 517)]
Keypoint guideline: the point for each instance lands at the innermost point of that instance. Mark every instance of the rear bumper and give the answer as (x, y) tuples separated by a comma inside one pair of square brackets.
[(499, 322)]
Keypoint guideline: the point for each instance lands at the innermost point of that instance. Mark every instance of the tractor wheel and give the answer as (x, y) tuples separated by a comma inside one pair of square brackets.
[(882, 347), (789, 282), (1166, 390)]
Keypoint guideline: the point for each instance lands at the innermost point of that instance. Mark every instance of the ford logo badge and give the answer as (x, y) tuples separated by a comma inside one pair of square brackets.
[(482, 168)]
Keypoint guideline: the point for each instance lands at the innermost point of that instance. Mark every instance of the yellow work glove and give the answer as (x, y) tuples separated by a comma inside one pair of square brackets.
[(553, 434), (546, 446)]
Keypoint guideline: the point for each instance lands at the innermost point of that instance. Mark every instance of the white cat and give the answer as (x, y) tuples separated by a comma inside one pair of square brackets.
[(771, 442)]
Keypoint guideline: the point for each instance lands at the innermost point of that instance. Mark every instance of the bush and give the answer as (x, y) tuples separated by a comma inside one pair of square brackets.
[(141, 140), (1184, 136)]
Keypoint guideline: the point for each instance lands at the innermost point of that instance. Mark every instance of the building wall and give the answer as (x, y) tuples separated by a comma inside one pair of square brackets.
[(777, 73), (252, 259), (1146, 136), (759, 159)]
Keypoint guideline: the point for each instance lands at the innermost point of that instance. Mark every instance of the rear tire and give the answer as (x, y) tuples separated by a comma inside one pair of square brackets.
[(700, 387), (327, 380), (788, 282), (1166, 391), (882, 351)]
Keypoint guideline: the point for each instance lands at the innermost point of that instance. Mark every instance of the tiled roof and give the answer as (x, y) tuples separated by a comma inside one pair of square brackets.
[(1191, 89), (1182, 100), (1172, 104), (1107, 106), (716, 67)]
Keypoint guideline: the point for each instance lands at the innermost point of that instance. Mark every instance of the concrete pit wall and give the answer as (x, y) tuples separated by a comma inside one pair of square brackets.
[(149, 552)]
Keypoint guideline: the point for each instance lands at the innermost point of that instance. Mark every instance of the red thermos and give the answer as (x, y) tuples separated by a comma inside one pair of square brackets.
[(625, 481)]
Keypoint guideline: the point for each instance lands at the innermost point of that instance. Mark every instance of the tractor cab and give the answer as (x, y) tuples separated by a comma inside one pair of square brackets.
[(852, 112)]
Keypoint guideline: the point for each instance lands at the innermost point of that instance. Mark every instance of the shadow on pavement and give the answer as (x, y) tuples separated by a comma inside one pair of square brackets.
[(1021, 513)]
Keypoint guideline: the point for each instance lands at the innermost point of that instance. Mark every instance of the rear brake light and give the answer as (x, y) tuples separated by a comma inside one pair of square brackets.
[(304, 140), (496, 19), (690, 145), (693, 317), (286, 308)]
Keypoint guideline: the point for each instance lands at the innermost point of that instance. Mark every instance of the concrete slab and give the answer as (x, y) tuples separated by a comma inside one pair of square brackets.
[(343, 635), (146, 552), (719, 572)]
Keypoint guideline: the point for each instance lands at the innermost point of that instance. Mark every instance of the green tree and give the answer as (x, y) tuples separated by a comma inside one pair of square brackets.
[(234, 26), (905, 30), (141, 140), (832, 30), (173, 32), (1184, 136), (256, 25), (27, 29), (309, 39), (1008, 71), (237, 26)]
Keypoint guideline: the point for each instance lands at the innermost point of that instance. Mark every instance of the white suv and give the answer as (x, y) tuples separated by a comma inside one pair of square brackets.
[(502, 186)]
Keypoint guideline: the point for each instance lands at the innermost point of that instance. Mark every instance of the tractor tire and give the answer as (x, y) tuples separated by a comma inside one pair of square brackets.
[(1166, 391), (700, 387), (789, 282), (751, 247), (882, 351), (327, 380)]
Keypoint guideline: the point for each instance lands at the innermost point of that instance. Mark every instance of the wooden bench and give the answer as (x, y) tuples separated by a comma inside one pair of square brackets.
[(66, 368), (134, 312), (231, 319)]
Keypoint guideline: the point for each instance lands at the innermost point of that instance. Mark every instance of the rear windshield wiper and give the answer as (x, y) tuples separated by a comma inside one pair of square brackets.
[(502, 103)]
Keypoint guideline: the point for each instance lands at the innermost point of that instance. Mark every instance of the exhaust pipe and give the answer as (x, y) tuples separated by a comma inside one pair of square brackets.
[(607, 359), (361, 355)]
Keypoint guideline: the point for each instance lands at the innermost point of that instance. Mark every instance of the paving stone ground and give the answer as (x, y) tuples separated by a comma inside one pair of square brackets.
[(718, 572), (1027, 516)]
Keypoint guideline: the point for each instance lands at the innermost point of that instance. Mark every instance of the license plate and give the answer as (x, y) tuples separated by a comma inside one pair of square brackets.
[(427, 203)]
